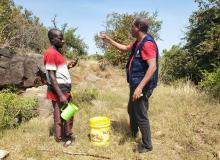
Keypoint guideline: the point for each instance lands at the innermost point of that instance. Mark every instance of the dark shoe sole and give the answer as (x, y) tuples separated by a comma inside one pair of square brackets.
[(142, 149), (145, 150)]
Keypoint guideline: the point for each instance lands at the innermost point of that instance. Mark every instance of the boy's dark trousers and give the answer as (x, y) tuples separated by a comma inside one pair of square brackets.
[(138, 115), (62, 128)]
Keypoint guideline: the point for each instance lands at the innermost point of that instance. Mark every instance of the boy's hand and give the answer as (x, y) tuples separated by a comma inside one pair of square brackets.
[(72, 63), (63, 99)]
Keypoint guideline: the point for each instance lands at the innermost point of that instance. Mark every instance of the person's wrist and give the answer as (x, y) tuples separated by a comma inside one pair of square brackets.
[(140, 87), (60, 95)]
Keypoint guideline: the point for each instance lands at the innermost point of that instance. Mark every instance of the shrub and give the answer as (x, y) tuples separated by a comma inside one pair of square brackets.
[(85, 96), (70, 54), (211, 82), (97, 57), (15, 109)]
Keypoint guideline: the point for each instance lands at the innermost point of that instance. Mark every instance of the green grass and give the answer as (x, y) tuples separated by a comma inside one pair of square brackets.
[(85, 96), (185, 125)]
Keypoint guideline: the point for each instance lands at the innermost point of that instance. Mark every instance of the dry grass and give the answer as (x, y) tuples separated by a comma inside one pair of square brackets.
[(185, 123)]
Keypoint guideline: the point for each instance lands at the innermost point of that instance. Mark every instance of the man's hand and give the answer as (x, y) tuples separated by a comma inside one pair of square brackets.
[(104, 37), (72, 63), (149, 74), (117, 45), (137, 94)]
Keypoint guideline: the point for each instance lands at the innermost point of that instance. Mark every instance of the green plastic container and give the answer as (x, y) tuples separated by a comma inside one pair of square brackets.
[(68, 111)]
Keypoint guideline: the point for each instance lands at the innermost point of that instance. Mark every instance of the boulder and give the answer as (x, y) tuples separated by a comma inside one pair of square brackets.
[(21, 71)]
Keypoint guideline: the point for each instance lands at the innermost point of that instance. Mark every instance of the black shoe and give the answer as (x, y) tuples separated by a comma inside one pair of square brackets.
[(142, 149)]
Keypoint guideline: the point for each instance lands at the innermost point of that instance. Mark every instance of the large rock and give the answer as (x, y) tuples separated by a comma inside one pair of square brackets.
[(21, 71)]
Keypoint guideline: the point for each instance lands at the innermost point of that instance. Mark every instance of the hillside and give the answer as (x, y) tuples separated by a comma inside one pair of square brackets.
[(185, 122)]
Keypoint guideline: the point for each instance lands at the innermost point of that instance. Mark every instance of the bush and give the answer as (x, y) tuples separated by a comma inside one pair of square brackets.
[(97, 57), (85, 96), (15, 109), (70, 54), (211, 82)]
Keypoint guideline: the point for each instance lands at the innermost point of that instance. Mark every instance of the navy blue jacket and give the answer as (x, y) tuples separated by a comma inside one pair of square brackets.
[(139, 66)]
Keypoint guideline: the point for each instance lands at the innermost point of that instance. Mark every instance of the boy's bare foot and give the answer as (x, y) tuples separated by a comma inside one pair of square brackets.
[(68, 143), (69, 140)]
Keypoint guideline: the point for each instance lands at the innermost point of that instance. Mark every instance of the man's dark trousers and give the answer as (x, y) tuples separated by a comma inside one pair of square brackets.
[(138, 115)]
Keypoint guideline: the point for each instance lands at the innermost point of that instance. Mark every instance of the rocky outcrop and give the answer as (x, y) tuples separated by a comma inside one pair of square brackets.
[(21, 71)]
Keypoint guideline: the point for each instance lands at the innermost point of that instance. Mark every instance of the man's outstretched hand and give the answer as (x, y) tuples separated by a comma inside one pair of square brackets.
[(104, 37)]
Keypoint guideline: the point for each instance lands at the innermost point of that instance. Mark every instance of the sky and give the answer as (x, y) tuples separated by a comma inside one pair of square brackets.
[(89, 16)]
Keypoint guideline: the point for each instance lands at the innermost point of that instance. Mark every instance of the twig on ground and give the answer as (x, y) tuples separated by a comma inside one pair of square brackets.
[(79, 154)]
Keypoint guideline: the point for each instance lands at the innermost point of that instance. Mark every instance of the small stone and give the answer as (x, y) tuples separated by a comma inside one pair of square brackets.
[(178, 147), (3, 154), (218, 155), (31, 158), (92, 78), (159, 134)]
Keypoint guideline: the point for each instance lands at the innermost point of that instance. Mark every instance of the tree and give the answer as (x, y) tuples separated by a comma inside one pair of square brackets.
[(174, 64), (199, 59), (203, 39), (5, 16), (118, 27), (73, 43), (20, 29)]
